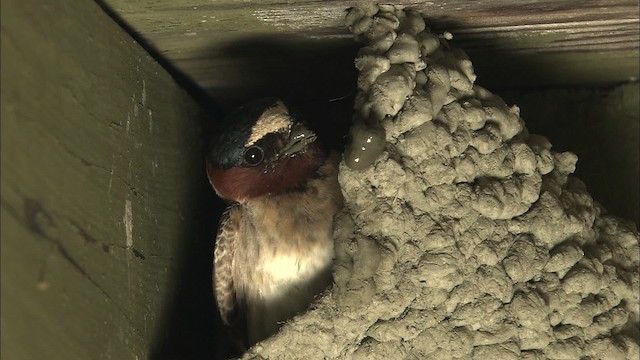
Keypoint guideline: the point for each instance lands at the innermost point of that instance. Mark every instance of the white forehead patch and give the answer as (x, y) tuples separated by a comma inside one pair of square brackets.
[(274, 119)]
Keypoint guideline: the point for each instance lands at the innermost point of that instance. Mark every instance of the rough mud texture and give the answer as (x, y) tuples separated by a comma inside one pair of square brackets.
[(466, 237)]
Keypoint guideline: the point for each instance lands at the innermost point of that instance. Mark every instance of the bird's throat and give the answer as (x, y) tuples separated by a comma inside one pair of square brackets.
[(240, 184)]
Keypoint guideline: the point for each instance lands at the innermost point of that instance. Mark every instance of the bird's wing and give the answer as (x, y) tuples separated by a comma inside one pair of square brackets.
[(226, 241)]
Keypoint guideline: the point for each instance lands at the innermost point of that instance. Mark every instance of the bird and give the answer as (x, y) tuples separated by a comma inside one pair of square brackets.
[(274, 249)]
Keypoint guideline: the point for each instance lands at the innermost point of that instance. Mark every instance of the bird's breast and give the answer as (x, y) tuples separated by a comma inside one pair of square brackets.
[(288, 243), (284, 253), (284, 273)]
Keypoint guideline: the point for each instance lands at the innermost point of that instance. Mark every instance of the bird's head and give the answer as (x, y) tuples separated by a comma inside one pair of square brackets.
[(262, 149)]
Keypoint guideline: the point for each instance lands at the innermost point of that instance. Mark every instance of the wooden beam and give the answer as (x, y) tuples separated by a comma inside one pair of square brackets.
[(101, 169), (528, 43)]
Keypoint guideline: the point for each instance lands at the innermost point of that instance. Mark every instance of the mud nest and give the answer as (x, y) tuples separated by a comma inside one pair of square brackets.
[(463, 236)]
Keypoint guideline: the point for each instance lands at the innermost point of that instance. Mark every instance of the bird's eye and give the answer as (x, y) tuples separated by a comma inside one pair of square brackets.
[(253, 156)]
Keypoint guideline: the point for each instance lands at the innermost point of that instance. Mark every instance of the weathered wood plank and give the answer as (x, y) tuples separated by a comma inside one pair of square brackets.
[(593, 41), (101, 169), (41, 316)]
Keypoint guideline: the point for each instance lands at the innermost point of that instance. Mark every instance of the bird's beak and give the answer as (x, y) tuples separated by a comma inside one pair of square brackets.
[(299, 138)]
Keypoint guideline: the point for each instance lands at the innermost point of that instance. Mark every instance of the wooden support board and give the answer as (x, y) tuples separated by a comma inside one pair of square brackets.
[(101, 174), (235, 48)]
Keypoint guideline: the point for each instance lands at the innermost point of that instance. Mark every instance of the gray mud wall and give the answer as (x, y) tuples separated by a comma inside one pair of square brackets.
[(463, 236)]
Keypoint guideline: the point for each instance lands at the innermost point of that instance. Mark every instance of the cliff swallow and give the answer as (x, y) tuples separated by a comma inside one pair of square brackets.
[(274, 248)]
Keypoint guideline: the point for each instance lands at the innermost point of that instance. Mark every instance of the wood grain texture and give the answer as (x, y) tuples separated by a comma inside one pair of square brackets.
[(101, 161), (513, 44)]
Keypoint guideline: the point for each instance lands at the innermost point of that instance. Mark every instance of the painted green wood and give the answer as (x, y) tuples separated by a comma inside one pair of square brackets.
[(518, 44), (101, 173)]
